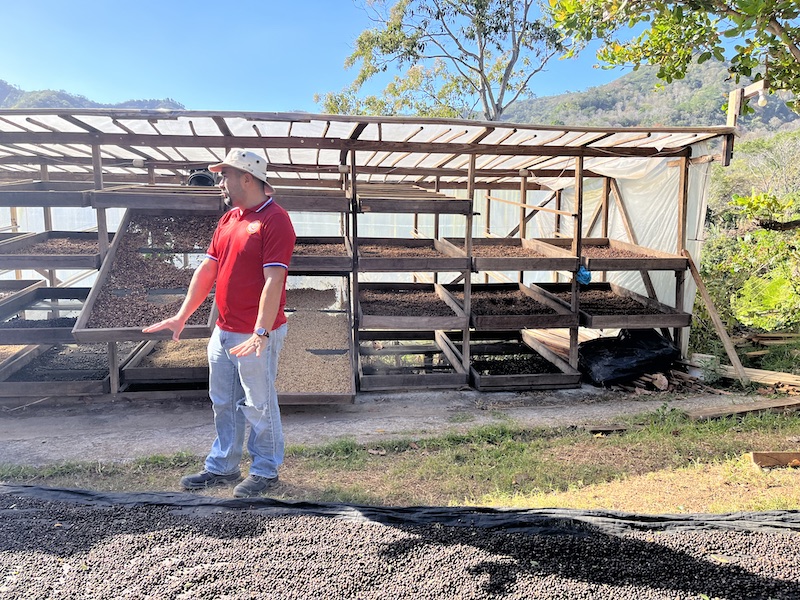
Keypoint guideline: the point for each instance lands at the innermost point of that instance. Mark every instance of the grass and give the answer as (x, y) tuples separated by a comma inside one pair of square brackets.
[(663, 463)]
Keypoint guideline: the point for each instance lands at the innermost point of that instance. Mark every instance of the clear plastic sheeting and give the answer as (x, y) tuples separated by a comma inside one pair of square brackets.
[(170, 139)]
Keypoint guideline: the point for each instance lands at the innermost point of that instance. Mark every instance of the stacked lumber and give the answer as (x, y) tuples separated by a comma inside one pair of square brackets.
[(772, 339), (771, 381)]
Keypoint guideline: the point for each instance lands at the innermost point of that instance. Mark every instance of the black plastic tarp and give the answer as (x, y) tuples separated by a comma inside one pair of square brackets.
[(516, 520)]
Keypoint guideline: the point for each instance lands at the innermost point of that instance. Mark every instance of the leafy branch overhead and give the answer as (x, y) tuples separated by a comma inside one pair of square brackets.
[(764, 35), (461, 57)]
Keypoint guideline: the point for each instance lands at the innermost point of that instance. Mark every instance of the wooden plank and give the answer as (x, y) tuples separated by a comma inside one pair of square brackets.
[(403, 198), (717, 321), (17, 389), (46, 194), (760, 375), (311, 199), (775, 459), (298, 399), (716, 412), (20, 359), (451, 374)]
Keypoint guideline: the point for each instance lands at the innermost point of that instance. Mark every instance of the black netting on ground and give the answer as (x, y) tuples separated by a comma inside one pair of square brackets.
[(59, 543)]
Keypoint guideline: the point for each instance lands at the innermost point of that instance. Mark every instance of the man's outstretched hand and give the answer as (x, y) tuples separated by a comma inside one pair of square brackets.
[(173, 324)]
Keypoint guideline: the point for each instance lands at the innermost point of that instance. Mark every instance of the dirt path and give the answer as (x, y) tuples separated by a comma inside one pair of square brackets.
[(125, 430)]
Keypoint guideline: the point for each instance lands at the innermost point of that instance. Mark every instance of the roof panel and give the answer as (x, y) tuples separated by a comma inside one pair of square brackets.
[(386, 148)]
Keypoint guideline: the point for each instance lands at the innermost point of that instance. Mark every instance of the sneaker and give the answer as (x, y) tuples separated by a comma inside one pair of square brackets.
[(205, 479), (254, 485)]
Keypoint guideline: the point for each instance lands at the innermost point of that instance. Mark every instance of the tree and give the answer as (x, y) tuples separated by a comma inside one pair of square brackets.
[(765, 35), (462, 57)]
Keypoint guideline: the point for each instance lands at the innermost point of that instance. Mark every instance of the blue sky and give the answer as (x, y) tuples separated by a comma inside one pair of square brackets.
[(240, 55)]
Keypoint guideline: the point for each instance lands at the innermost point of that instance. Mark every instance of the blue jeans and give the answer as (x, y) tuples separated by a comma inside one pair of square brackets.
[(242, 391)]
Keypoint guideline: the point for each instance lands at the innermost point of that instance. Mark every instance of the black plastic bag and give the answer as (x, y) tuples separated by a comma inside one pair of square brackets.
[(633, 352)]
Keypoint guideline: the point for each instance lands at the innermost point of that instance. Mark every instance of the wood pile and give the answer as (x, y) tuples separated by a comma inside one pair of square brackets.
[(672, 381)]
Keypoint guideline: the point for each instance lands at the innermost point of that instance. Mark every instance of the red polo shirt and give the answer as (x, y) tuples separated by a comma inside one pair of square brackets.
[(244, 242)]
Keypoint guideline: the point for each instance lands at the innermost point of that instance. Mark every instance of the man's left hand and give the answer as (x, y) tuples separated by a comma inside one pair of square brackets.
[(255, 343)]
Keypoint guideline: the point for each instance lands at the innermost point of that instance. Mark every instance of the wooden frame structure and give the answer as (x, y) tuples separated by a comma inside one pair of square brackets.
[(354, 166)]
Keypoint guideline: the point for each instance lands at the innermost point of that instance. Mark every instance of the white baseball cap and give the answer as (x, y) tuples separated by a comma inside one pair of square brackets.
[(248, 161)]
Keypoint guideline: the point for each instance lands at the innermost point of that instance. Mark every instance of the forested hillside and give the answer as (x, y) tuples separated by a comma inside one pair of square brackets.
[(13, 97), (635, 99)]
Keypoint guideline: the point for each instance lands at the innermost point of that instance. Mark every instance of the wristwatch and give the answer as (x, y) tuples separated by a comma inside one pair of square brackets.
[(261, 332)]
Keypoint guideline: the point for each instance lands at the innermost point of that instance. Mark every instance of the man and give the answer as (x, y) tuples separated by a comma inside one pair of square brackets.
[(248, 260)]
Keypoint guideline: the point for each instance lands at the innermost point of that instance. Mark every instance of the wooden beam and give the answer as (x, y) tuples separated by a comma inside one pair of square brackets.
[(767, 460), (718, 325), (189, 141), (719, 412)]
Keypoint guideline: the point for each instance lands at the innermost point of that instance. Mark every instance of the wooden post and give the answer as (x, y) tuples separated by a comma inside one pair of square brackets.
[(604, 207), (487, 220), (113, 367), (523, 200), (576, 250), (718, 324), (465, 351)]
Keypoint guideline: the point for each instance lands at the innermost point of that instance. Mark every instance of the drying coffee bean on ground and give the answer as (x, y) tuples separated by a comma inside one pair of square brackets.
[(315, 358), (403, 303), (313, 299), (261, 549)]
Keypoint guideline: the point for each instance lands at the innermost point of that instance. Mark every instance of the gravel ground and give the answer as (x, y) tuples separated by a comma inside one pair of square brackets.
[(61, 545)]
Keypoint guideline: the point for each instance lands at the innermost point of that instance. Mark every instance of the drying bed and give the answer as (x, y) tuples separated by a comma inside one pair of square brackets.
[(52, 250), (516, 254), (400, 360), (63, 369), (322, 255), (513, 360), (512, 306), (41, 315), (418, 306), (145, 277), (604, 254), (607, 305), (399, 254)]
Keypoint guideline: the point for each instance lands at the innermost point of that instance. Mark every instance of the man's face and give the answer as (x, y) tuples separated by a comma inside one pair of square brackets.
[(231, 185)]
